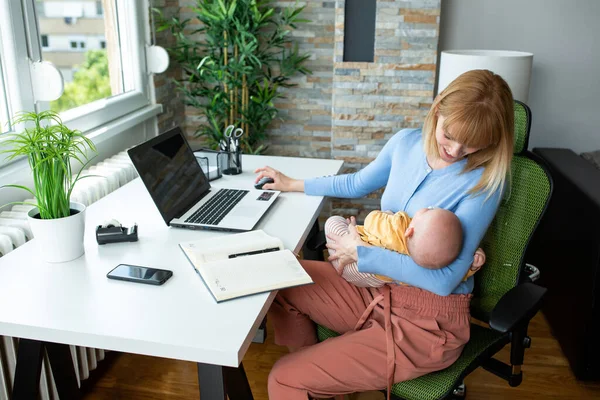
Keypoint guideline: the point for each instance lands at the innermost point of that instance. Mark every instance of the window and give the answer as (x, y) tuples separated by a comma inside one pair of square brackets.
[(101, 58), (90, 74), (98, 46)]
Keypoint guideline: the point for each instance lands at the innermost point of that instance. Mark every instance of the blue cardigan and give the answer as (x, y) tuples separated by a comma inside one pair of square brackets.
[(410, 184)]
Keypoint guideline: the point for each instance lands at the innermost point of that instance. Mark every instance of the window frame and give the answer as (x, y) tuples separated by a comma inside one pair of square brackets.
[(4, 113), (23, 43)]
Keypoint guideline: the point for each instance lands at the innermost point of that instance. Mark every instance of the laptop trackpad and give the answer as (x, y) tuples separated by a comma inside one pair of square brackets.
[(245, 211)]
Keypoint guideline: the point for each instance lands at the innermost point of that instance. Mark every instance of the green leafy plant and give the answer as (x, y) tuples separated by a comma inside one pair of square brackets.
[(234, 62), (49, 147)]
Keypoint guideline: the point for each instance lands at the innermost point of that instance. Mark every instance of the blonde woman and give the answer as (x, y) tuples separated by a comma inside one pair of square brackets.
[(459, 161)]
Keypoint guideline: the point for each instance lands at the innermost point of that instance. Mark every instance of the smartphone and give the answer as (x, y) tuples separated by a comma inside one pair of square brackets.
[(136, 273)]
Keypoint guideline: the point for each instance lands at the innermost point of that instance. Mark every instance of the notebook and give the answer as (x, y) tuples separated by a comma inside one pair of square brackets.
[(244, 264)]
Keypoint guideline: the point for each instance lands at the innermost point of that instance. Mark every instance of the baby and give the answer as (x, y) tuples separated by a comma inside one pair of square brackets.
[(433, 238)]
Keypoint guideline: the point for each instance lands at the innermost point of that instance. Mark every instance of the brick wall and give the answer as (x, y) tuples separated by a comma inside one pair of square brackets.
[(344, 110), (306, 108)]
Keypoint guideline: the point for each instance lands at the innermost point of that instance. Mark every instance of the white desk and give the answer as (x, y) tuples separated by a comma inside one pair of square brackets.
[(74, 303)]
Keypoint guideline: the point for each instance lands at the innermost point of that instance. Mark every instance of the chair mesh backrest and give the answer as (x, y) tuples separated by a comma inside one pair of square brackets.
[(522, 125), (517, 217)]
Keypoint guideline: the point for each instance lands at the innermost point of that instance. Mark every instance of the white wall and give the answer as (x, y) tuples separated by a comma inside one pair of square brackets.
[(564, 36)]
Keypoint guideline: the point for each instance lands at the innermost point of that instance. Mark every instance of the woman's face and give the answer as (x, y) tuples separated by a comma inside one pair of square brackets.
[(450, 151)]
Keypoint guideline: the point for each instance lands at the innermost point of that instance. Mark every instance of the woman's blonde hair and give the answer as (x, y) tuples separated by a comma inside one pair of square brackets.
[(478, 111)]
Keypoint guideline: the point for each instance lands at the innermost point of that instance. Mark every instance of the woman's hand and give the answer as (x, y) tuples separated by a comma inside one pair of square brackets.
[(344, 248), (281, 182)]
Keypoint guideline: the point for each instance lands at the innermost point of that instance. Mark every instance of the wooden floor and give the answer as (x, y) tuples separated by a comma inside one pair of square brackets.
[(133, 377)]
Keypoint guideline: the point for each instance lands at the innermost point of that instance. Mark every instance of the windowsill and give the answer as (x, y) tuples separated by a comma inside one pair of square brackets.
[(119, 125)]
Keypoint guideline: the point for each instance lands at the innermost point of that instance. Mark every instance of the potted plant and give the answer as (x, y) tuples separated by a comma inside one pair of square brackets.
[(50, 146), (234, 63)]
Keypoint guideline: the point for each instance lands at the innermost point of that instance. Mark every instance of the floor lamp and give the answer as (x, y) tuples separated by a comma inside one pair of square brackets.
[(513, 66)]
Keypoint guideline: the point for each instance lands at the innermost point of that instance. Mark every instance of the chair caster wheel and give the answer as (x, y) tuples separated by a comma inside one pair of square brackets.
[(460, 392)]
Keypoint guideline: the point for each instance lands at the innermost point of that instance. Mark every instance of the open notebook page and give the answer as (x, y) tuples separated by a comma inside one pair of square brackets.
[(259, 273), (221, 247)]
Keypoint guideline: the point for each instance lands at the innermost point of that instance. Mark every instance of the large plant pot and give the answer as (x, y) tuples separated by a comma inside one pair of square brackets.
[(61, 239)]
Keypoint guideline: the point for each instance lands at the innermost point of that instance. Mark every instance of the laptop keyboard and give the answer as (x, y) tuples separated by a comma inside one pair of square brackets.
[(215, 209)]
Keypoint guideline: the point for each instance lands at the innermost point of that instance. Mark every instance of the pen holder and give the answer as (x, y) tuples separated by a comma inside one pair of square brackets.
[(231, 162)]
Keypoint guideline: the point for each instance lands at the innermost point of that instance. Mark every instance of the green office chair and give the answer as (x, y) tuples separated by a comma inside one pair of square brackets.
[(504, 296)]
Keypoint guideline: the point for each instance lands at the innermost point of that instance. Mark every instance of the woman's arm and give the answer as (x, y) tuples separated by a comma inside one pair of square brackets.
[(374, 176), (475, 215)]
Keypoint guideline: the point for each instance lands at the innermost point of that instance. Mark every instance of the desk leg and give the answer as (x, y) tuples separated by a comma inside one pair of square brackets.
[(218, 382), (63, 370), (29, 366), (237, 384), (27, 372)]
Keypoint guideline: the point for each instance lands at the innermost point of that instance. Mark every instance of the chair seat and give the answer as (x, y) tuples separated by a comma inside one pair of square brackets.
[(437, 385)]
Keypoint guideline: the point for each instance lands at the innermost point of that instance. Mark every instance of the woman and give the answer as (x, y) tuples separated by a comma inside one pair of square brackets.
[(460, 161)]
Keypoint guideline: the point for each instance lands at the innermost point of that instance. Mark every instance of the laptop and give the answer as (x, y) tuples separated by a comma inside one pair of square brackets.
[(182, 193)]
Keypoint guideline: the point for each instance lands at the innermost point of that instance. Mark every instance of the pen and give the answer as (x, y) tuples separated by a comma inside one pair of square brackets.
[(254, 252)]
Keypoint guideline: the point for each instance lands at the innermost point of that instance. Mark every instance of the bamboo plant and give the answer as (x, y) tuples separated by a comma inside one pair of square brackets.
[(49, 146), (234, 62)]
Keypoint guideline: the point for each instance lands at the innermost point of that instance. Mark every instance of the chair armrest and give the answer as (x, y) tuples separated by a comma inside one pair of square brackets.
[(518, 305)]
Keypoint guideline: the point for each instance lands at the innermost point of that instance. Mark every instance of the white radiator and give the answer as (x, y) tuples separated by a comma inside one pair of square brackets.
[(111, 174)]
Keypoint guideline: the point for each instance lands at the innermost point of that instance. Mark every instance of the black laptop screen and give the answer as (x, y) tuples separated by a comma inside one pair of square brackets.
[(170, 172)]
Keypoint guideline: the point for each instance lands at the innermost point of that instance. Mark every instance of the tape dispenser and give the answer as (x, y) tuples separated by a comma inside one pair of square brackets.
[(112, 232)]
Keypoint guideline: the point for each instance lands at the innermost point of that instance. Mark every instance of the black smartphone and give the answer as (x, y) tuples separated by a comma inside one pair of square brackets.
[(136, 273)]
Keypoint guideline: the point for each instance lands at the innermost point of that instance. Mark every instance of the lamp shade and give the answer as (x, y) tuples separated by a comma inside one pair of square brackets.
[(513, 66)]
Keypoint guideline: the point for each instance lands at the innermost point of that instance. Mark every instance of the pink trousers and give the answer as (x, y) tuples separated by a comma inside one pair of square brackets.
[(389, 334)]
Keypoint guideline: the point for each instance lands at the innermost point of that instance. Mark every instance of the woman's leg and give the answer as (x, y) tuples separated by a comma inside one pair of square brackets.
[(428, 331), (339, 226), (354, 362), (330, 301)]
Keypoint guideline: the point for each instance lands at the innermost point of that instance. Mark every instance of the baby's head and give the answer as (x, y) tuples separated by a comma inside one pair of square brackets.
[(434, 237)]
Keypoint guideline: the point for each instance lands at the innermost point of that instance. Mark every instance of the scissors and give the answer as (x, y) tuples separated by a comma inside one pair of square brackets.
[(232, 135)]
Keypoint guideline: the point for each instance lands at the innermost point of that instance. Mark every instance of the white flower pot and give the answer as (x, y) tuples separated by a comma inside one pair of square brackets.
[(61, 239)]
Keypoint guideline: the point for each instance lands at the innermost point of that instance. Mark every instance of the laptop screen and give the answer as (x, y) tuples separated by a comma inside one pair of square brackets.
[(170, 172)]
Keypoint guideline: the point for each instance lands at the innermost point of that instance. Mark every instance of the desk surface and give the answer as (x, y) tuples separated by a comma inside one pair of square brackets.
[(74, 302)]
